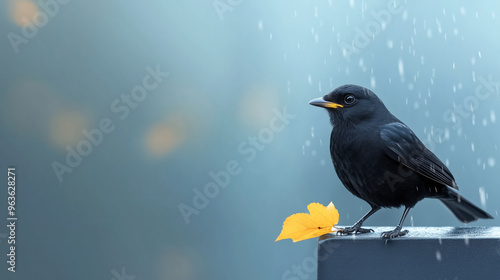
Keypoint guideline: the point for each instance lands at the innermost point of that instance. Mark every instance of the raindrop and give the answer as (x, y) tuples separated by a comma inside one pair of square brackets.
[(439, 26), (390, 44), (312, 131), (491, 162), (482, 195), (372, 82), (438, 256), (429, 33), (472, 146), (261, 24), (308, 143), (401, 69), (492, 116)]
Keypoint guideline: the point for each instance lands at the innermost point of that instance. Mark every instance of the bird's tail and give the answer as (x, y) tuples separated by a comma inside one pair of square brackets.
[(463, 209)]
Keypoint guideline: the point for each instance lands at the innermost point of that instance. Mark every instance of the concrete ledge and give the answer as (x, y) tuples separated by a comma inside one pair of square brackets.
[(424, 253)]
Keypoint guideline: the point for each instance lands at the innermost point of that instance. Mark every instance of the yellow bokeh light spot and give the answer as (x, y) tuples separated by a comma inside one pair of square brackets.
[(177, 265), (165, 136), (257, 104), (22, 12), (66, 128)]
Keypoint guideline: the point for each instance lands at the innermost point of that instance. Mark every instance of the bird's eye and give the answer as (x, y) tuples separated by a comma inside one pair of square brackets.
[(349, 99)]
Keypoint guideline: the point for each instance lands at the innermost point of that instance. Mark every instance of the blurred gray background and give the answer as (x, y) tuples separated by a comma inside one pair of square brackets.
[(110, 150)]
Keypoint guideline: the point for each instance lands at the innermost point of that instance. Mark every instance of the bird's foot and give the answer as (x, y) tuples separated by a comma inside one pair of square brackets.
[(354, 230), (397, 232)]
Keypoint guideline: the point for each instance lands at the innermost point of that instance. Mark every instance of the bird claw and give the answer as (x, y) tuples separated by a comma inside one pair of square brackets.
[(354, 230), (393, 233)]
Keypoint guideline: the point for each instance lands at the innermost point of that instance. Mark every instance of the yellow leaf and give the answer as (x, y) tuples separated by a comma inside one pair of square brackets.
[(303, 226)]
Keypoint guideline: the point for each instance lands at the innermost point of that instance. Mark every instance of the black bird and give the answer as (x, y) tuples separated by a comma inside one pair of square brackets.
[(380, 160)]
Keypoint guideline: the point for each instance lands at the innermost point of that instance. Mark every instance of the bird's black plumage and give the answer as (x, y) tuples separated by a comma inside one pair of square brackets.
[(380, 160)]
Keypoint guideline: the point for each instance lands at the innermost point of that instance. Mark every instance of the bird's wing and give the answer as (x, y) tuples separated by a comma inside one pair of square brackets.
[(403, 146)]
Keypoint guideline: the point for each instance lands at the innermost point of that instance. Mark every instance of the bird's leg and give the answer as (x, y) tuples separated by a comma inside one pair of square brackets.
[(397, 231), (356, 228)]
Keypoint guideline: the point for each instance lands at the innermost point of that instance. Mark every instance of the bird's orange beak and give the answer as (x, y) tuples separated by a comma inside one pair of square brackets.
[(320, 102)]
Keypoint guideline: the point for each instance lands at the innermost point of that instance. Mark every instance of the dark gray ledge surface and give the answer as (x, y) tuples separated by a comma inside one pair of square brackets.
[(424, 253)]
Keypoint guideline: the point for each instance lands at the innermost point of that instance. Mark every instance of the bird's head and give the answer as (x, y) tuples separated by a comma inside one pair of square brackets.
[(352, 104)]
